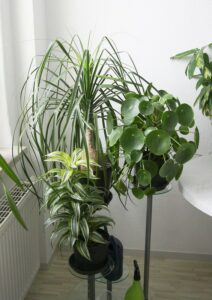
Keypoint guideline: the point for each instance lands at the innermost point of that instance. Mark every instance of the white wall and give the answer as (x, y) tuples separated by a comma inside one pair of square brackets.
[(151, 31)]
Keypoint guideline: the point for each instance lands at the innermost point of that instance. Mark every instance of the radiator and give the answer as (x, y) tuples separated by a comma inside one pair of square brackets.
[(19, 249)]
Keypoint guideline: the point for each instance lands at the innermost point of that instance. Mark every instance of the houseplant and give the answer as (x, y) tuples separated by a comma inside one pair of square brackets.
[(74, 205), (200, 68), (5, 167), (152, 136), (67, 106), (98, 103)]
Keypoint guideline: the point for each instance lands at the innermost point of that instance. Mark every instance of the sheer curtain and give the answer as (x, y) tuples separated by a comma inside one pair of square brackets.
[(22, 37)]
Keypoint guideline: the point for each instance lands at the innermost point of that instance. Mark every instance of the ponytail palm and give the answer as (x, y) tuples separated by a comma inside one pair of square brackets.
[(70, 95)]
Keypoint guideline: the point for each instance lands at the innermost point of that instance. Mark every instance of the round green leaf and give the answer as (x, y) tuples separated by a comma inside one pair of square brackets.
[(132, 139), (184, 130), (169, 120), (130, 108), (128, 121), (158, 142), (144, 177), (185, 114), (132, 95), (158, 106), (146, 108), (167, 169), (149, 129), (150, 166), (171, 103), (185, 152), (138, 193), (136, 155)]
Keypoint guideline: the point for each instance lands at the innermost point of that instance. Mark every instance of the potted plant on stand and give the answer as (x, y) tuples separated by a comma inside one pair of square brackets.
[(74, 205), (153, 134)]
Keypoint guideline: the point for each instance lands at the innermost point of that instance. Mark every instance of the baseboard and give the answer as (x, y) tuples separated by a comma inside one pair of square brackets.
[(170, 254)]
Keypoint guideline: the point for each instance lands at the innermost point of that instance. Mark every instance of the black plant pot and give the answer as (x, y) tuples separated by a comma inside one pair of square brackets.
[(159, 183), (98, 255)]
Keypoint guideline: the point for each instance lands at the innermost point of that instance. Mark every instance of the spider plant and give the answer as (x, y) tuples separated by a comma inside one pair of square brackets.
[(200, 68), (73, 205)]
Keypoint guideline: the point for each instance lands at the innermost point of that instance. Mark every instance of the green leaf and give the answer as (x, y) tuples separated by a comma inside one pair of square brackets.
[(97, 238), (115, 135), (179, 171), (121, 187), (143, 177), (150, 166), (185, 114), (136, 156), (185, 53), (158, 106), (149, 129), (109, 123), (138, 193), (132, 139), (130, 108), (191, 67), (185, 152), (8, 170), (158, 142), (74, 226), (167, 169), (146, 108), (82, 248), (171, 103), (184, 130), (165, 98), (132, 95), (196, 137), (200, 59), (14, 208), (84, 229), (169, 120)]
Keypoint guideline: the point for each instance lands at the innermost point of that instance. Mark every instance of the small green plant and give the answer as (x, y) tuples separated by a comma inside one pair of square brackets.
[(152, 136), (200, 68), (74, 202), (11, 174)]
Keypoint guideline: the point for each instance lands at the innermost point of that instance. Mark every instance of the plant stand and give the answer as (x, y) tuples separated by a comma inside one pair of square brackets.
[(148, 240), (98, 276), (147, 246)]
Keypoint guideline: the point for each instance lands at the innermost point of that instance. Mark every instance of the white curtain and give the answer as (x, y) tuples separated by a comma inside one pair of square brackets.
[(22, 37)]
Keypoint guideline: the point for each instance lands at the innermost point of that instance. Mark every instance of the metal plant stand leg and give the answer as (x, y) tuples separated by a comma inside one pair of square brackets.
[(147, 246), (91, 287), (109, 290)]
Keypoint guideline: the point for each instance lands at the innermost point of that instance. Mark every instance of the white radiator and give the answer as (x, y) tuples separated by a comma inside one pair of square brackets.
[(19, 249)]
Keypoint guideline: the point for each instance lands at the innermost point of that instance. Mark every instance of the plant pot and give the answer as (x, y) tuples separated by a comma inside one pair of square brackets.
[(104, 181), (98, 255), (158, 182)]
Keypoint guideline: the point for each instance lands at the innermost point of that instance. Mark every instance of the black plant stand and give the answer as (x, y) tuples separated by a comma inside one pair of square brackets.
[(147, 246), (148, 240)]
